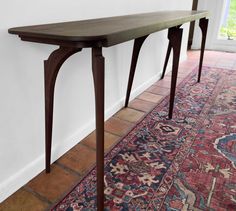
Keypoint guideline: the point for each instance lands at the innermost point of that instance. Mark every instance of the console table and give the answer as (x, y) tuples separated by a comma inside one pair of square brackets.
[(72, 37)]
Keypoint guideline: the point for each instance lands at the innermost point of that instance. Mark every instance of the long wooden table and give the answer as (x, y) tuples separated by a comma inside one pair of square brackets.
[(72, 37)]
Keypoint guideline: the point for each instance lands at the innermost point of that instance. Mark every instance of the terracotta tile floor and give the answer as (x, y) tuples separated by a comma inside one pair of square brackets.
[(45, 189)]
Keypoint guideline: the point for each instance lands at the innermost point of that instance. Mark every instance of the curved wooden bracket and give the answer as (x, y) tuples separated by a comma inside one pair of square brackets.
[(175, 39), (136, 49), (203, 24), (51, 68), (167, 57)]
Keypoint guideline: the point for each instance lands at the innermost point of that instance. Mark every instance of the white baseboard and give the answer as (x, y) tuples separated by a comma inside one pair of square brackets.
[(218, 47), (19, 179)]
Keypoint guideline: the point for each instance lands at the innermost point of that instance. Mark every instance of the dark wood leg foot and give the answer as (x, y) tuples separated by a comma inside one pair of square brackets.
[(98, 75), (175, 37), (203, 23), (166, 60), (136, 49), (51, 69)]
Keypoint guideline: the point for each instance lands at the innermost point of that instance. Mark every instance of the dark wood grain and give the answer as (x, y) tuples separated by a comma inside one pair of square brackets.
[(98, 66), (175, 39), (203, 24), (105, 32)]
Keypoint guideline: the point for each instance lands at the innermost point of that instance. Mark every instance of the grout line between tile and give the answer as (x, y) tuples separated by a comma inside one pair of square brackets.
[(155, 93), (36, 194), (69, 170), (88, 146), (113, 133), (140, 109)]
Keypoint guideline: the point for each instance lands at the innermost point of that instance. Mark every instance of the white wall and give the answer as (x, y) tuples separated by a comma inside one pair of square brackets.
[(21, 81), (216, 9)]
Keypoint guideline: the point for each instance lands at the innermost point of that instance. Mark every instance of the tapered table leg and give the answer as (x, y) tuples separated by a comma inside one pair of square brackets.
[(166, 60), (51, 69), (175, 38), (98, 76), (136, 49), (203, 23)]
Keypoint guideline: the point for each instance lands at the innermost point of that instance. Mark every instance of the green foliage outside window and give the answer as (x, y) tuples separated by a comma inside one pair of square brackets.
[(229, 30)]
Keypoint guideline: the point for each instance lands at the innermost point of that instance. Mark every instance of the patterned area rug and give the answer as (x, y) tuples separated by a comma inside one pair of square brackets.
[(187, 163)]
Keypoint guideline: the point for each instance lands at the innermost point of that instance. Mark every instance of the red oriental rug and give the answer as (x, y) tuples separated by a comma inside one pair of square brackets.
[(187, 163)]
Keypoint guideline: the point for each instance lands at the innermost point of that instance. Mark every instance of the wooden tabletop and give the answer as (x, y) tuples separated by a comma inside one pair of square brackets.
[(106, 31)]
